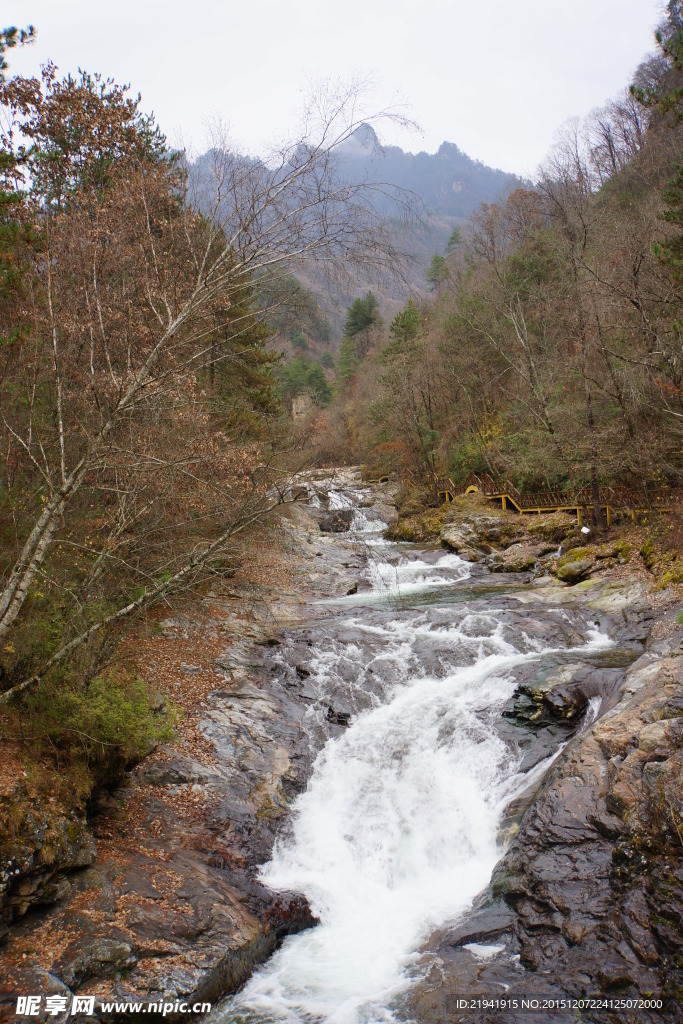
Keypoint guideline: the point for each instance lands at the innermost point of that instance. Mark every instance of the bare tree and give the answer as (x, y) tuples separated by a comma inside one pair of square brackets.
[(614, 135), (102, 402)]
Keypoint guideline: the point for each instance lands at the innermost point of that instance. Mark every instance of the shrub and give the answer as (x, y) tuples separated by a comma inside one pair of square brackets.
[(108, 723)]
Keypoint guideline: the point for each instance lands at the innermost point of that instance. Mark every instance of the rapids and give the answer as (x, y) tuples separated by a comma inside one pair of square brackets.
[(398, 829)]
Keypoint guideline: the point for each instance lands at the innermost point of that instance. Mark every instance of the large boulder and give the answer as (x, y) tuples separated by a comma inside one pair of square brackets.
[(458, 537), (575, 565), (562, 694), (337, 520), (422, 528), (517, 558), (574, 572), (495, 527), (557, 526)]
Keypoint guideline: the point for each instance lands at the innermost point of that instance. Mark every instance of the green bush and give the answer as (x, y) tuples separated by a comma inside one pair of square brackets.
[(299, 341), (110, 721)]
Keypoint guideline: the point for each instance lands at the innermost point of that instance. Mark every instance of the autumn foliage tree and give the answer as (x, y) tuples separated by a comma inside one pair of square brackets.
[(551, 353), (138, 406)]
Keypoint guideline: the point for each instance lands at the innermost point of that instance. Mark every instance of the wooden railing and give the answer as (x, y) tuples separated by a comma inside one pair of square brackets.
[(615, 498)]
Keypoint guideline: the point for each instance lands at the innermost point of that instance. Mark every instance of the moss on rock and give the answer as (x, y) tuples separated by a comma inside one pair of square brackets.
[(556, 527), (423, 528)]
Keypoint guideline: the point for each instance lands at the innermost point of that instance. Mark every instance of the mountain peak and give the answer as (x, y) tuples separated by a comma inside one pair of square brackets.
[(366, 135), (363, 142)]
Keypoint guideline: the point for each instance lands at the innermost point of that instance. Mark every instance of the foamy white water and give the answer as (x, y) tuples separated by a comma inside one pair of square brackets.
[(397, 831)]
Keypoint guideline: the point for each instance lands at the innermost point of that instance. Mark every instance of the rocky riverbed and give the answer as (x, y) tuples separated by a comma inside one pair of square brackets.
[(587, 898), (155, 896), (159, 895)]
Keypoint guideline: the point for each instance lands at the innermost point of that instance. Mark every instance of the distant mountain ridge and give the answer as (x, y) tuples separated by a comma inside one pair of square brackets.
[(448, 181), (450, 184)]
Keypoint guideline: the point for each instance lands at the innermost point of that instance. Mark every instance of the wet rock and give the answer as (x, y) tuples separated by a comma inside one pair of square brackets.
[(485, 925), (637, 917), (337, 521), (99, 958), (469, 554), (564, 693), (338, 717)]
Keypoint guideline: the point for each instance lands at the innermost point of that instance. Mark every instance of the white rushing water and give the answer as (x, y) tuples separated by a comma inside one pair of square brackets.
[(397, 830)]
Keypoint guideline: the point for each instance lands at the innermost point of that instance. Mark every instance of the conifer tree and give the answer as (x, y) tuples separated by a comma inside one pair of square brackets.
[(361, 315), (406, 325), (437, 272), (666, 95), (347, 363), (9, 38)]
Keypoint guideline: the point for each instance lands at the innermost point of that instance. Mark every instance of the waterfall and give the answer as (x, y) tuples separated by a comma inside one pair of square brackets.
[(398, 829)]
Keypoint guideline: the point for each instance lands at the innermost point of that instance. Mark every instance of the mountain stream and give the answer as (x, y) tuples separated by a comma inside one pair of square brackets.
[(399, 827)]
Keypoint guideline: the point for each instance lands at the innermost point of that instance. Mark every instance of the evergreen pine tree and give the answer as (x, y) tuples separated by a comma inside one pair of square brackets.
[(406, 325), (347, 363), (437, 271)]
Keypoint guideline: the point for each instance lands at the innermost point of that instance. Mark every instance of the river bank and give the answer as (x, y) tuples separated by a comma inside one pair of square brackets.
[(153, 895), (586, 899), (172, 906)]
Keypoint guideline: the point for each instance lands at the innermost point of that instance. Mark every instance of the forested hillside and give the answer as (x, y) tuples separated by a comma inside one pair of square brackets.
[(422, 197), (550, 349), (142, 420), (144, 409)]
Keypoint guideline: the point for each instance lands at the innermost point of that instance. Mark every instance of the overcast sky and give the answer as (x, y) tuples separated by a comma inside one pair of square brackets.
[(497, 77)]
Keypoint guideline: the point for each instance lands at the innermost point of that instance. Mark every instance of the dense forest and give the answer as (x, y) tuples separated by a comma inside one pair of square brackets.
[(144, 419), (549, 350)]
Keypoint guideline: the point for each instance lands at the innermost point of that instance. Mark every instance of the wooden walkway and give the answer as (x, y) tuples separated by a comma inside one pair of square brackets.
[(611, 499)]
